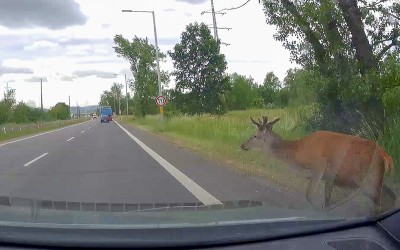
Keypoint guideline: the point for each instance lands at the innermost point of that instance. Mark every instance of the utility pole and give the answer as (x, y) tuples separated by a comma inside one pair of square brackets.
[(119, 105), (126, 96), (115, 108), (214, 21), (69, 107), (77, 107), (214, 24), (41, 95), (7, 91)]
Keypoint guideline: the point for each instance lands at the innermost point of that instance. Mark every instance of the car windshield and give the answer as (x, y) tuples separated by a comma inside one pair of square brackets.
[(199, 111)]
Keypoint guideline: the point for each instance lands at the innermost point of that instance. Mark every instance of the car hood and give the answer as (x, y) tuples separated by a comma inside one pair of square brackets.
[(24, 211)]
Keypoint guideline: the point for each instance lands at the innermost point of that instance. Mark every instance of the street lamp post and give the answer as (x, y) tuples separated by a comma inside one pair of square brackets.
[(156, 43)]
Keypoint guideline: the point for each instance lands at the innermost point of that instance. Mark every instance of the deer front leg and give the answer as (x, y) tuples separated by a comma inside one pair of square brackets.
[(312, 187)]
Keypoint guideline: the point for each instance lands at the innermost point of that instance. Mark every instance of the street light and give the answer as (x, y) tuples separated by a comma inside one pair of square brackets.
[(156, 42)]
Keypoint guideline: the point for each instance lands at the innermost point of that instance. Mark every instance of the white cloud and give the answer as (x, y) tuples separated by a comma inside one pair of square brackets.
[(87, 48), (37, 45)]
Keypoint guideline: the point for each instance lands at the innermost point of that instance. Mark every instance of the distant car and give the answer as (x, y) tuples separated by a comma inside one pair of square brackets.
[(105, 118)]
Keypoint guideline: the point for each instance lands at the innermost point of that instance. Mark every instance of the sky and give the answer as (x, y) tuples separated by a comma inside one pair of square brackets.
[(69, 43)]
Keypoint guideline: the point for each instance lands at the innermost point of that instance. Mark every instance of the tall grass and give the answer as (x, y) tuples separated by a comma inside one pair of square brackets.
[(390, 141)]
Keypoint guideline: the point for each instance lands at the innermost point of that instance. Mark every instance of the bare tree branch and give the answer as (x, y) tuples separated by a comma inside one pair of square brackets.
[(383, 12), (386, 48), (393, 37), (305, 27)]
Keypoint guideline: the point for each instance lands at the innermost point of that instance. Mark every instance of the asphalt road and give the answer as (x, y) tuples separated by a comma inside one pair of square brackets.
[(110, 162)]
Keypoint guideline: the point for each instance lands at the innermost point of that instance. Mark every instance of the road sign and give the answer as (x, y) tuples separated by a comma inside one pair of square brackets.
[(161, 101)]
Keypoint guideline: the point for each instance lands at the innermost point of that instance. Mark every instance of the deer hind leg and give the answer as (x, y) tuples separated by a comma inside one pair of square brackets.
[(373, 190), (312, 187), (328, 194), (388, 198)]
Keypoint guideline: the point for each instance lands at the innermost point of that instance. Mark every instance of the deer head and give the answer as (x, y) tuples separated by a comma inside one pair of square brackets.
[(263, 137)]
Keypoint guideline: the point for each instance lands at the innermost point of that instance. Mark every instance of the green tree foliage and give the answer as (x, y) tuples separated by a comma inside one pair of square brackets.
[(199, 71), (390, 85), (60, 111), (7, 105), (272, 81), (114, 98), (142, 58), (243, 93), (35, 114), (21, 113), (301, 85), (345, 41), (269, 90)]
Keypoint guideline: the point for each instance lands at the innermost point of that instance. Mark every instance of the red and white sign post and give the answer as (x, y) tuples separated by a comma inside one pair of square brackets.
[(161, 101)]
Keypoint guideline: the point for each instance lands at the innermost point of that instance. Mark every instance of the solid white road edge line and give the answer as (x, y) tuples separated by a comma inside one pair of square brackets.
[(201, 194), (45, 133), (37, 158), (70, 138)]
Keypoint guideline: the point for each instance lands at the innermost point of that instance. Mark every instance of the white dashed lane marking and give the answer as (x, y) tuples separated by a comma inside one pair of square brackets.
[(37, 158)]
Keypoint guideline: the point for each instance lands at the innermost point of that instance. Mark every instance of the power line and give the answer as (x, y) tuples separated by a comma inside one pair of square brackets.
[(214, 25), (235, 8)]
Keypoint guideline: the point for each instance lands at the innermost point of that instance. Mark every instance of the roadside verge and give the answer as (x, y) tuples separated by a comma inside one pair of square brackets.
[(9, 135)]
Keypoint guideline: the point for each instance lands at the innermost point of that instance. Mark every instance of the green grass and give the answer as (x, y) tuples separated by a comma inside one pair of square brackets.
[(31, 131), (390, 141), (220, 137)]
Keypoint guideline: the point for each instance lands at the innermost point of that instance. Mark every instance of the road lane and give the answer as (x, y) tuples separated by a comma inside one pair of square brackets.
[(100, 165), (201, 194), (14, 154)]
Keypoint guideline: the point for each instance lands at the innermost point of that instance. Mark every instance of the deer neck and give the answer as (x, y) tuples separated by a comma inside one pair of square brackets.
[(284, 150)]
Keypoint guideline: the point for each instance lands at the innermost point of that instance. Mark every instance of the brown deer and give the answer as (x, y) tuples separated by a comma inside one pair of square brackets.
[(338, 159)]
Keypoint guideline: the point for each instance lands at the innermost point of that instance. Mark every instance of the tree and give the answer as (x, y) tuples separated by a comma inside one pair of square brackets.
[(345, 41), (199, 70), (270, 88), (301, 85), (35, 114), (21, 113), (243, 93), (272, 81), (142, 57), (7, 105), (60, 111), (116, 95)]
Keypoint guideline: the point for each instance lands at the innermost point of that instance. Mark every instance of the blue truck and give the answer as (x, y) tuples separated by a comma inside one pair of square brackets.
[(106, 114)]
